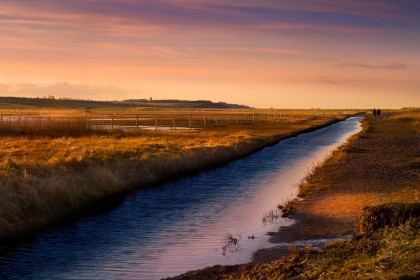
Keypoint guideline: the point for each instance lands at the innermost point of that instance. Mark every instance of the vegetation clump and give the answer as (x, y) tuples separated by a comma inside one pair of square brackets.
[(373, 218)]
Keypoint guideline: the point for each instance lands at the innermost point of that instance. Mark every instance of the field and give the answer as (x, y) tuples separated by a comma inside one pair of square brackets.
[(56, 162)]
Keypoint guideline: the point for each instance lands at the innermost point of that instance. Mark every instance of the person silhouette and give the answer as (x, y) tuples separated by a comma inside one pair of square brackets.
[(378, 112), (374, 112)]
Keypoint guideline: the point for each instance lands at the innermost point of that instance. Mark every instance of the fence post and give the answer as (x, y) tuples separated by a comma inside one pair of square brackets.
[(227, 120), (156, 124), (173, 120), (204, 120), (87, 123), (253, 117), (137, 123), (112, 123), (189, 120)]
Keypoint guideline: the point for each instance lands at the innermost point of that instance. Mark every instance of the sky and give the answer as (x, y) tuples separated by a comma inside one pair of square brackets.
[(261, 53)]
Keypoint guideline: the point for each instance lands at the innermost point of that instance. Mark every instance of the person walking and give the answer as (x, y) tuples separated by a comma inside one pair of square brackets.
[(374, 112), (378, 112)]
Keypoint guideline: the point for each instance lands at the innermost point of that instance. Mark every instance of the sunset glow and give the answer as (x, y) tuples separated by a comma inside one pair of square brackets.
[(266, 53)]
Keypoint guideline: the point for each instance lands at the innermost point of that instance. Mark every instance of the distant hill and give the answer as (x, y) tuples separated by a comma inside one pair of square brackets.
[(131, 103), (172, 103)]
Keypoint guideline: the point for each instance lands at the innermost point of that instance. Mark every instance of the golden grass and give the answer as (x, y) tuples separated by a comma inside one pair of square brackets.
[(409, 117), (28, 149)]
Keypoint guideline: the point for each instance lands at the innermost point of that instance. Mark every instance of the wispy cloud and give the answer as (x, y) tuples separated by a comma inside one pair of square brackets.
[(75, 23), (316, 80), (202, 13), (383, 66), (318, 28)]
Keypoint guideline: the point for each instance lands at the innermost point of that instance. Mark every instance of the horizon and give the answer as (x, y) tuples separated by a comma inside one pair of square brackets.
[(200, 100), (262, 54)]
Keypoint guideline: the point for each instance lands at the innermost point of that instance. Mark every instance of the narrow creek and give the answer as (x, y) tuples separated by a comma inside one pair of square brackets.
[(181, 225)]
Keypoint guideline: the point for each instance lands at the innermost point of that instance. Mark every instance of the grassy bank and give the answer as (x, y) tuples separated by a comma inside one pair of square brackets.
[(379, 165), (47, 175)]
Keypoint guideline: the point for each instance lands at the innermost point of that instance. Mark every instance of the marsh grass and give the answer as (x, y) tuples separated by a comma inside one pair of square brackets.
[(45, 126), (271, 216), (408, 117)]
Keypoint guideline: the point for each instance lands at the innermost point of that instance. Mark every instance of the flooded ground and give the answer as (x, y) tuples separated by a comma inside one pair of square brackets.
[(103, 123)]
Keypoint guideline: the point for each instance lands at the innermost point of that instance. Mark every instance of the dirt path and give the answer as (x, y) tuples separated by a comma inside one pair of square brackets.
[(380, 165)]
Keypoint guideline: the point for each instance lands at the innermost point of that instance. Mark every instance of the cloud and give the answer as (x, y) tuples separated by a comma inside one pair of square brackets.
[(373, 9), (74, 25), (384, 66), (195, 13), (317, 28), (319, 80)]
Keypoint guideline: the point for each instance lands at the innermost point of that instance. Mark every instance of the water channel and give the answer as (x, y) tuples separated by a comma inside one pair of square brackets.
[(182, 225)]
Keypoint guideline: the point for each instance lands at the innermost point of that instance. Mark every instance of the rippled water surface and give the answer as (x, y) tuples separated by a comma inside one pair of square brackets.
[(181, 225)]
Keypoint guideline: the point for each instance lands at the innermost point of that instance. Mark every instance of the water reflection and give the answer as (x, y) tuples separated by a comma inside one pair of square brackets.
[(182, 225)]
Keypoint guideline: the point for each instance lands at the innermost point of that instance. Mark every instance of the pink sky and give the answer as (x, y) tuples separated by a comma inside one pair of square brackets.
[(282, 54)]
